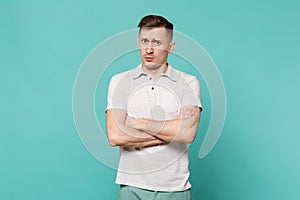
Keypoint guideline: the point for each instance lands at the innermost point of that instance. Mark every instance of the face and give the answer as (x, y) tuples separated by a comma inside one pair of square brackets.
[(155, 46)]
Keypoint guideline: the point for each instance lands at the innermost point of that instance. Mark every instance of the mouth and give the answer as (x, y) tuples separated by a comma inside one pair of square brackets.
[(149, 58)]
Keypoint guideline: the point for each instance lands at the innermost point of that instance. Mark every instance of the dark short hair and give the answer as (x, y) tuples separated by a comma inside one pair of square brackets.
[(156, 21)]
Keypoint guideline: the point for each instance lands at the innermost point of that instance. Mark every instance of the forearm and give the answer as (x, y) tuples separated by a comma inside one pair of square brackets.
[(181, 129), (130, 137), (120, 134), (177, 130), (146, 143)]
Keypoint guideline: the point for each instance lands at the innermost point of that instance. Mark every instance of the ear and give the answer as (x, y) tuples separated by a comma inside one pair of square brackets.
[(171, 47)]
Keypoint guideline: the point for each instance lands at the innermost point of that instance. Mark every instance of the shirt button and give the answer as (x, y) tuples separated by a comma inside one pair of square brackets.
[(152, 88), (150, 79)]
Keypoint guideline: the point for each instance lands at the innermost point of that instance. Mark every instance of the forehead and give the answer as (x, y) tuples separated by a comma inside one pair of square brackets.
[(159, 33)]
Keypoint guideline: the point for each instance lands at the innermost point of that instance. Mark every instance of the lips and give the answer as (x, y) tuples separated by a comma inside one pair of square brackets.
[(149, 58)]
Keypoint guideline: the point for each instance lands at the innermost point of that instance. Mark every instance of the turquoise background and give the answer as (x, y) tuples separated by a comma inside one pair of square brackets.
[(255, 45)]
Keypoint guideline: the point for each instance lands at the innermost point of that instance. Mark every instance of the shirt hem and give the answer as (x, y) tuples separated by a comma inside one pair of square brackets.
[(153, 188)]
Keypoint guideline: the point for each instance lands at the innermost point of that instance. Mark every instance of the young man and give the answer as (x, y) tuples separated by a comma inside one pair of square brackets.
[(153, 112)]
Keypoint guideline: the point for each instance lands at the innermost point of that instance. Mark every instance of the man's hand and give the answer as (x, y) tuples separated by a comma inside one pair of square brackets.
[(187, 112)]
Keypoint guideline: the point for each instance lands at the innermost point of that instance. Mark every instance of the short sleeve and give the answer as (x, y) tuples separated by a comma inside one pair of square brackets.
[(117, 97), (191, 93)]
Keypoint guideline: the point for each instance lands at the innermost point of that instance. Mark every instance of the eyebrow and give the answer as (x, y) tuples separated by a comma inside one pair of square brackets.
[(154, 40)]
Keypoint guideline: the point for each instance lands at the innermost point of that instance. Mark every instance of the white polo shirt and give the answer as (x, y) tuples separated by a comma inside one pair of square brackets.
[(162, 167)]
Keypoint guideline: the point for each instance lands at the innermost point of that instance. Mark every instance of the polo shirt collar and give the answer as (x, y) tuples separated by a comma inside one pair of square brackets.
[(171, 73), (138, 72)]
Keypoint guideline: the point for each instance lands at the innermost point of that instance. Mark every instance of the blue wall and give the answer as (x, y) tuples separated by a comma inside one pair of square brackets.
[(255, 45)]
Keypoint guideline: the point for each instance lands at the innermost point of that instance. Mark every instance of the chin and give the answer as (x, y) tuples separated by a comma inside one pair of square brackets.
[(152, 65)]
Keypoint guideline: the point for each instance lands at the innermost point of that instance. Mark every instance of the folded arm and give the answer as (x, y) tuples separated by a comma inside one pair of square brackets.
[(181, 129), (120, 134)]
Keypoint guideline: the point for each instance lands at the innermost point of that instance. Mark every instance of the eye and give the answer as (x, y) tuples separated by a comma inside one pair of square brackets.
[(157, 43), (144, 41)]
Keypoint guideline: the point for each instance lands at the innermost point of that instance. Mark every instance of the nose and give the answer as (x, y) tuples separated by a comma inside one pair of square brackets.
[(149, 49)]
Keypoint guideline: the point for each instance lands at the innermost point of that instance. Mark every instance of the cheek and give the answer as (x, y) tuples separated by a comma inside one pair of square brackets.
[(162, 54), (142, 51)]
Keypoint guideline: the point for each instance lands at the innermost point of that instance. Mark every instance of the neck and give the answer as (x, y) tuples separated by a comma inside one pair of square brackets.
[(154, 72)]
